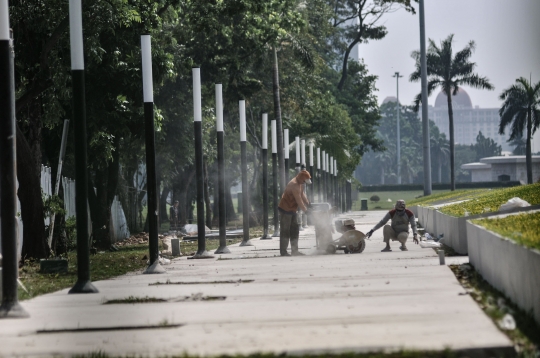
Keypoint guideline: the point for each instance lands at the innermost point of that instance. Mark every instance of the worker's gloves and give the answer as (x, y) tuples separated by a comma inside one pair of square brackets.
[(370, 232), (415, 239)]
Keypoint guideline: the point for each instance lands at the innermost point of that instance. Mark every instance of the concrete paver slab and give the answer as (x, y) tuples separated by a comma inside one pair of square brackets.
[(315, 303)]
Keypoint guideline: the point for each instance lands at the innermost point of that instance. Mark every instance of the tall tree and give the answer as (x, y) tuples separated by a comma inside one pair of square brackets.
[(485, 147), (439, 150), (521, 111), (449, 71), (358, 21)]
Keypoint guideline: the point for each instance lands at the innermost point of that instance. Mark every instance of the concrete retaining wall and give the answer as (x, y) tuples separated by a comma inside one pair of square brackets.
[(453, 228), (510, 267)]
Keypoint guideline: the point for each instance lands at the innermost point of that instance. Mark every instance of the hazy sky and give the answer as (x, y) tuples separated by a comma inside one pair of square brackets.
[(507, 36)]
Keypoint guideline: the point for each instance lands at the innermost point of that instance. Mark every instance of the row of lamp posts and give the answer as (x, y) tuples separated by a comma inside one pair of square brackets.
[(326, 179)]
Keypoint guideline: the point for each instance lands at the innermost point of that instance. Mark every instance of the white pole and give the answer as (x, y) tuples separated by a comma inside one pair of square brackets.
[(286, 141), (297, 150), (242, 109), (274, 136), (265, 131), (318, 158), (331, 165), (197, 106), (310, 154), (335, 167), (146, 53), (303, 151), (323, 160), (75, 34), (219, 108), (4, 20)]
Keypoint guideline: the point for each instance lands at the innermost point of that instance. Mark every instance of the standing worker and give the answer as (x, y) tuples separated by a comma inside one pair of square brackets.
[(292, 199), (399, 228)]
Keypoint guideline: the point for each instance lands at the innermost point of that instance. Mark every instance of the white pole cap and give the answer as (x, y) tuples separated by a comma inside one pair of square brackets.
[(265, 131), (4, 20), (310, 154), (303, 146), (286, 142), (242, 110), (297, 140), (274, 136), (318, 158), (146, 54), (219, 108), (75, 34), (197, 106)]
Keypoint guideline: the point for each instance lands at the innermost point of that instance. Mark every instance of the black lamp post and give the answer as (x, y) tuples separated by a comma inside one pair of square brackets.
[(319, 178), (83, 284), (150, 149), (10, 307), (245, 184), (286, 152), (265, 176), (275, 178), (197, 124), (222, 214)]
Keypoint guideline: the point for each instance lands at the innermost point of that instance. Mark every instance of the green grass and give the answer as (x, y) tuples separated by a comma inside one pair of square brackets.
[(384, 204), (522, 228), (446, 196), (525, 337), (103, 265), (491, 200)]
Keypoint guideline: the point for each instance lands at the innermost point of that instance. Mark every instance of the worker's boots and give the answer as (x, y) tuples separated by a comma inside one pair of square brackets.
[(294, 248), (283, 244)]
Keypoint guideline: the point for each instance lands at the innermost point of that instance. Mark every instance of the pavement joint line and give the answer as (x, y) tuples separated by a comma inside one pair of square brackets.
[(103, 329)]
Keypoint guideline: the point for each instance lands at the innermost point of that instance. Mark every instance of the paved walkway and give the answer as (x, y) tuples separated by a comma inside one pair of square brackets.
[(363, 302)]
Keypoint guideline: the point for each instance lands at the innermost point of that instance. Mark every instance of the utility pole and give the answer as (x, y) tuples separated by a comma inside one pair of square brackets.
[(397, 76), (425, 120)]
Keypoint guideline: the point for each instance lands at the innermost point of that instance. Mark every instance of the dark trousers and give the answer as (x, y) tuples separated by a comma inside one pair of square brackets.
[(288, 230)]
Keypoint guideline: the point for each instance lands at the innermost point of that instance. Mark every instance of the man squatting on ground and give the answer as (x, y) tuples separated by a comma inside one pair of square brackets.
[(399, 228), (293, 198)]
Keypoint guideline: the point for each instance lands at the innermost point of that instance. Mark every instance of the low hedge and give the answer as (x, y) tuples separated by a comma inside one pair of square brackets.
[(439, 186), (491, 200), (522, 228)]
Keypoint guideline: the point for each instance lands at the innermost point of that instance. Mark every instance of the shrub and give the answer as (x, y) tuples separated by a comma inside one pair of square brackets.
[(375, 198), (522, 228)]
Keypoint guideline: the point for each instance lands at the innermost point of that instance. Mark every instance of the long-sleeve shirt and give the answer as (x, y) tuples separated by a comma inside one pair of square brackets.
[(293, 197), (400, 223)]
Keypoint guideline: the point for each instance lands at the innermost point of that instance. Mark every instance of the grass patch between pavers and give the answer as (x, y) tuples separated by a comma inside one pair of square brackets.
[(103, 265), (401, 354), (134, 300), (168, 282), (495, 304), (491, 201), (522, 228)]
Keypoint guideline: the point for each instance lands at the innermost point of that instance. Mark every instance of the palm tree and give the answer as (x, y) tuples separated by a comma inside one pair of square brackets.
[(519, 145), (521, 109), (439, 150), (448, 72)]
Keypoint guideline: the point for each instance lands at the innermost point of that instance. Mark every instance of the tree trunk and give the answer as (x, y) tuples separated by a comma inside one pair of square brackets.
[(183, 197), (451, 131), (279, 124), (528, 155), (100, 199), (29, 193), (163, 216), (439, 171), (345, 67), (382, 175), (229, 205)]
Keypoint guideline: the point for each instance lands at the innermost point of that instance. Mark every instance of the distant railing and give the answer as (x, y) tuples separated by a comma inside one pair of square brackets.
[(119, 227)]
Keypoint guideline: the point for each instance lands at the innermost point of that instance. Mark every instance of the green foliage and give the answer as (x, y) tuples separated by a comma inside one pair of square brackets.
[(438, 186), (522, 228), (374, 198), (52, 204), (492, 200), (485, 147)]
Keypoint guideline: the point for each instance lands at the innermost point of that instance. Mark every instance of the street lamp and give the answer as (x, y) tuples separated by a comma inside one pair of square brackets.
[(397, 76)]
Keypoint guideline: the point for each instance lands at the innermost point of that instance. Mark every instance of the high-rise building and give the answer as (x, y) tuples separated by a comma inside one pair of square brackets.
[(468, 121)]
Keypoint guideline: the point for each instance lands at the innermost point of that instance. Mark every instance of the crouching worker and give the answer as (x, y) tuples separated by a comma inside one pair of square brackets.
[(400, 218), (293, 198)]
